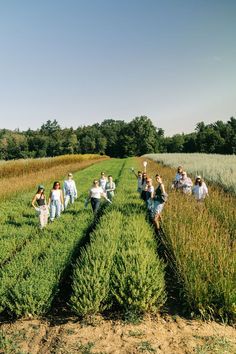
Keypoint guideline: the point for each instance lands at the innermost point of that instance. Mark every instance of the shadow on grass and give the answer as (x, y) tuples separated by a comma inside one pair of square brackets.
[(175, 304)]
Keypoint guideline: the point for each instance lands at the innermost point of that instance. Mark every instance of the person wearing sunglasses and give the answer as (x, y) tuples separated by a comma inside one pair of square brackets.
[(200, 190), (95, 195)]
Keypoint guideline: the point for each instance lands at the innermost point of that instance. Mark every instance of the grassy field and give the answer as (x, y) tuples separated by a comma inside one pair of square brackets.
[(219, 169), (21, 175), (111, 262), (83, 281), (200, 243)]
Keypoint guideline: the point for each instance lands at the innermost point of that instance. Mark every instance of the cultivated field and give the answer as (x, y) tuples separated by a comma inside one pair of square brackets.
[(84, 281), (219, 169), (21, 175)]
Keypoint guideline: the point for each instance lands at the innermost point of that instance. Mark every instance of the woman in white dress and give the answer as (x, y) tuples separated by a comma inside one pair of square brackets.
[(200, 190)]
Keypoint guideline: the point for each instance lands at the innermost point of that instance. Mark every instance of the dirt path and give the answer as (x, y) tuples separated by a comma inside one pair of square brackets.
[(161, 334)]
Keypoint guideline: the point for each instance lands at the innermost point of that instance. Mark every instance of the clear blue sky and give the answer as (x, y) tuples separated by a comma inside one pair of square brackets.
[(83, 61)]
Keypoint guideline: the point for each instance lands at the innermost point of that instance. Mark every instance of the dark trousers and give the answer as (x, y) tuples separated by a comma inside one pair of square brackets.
[(95, 202)]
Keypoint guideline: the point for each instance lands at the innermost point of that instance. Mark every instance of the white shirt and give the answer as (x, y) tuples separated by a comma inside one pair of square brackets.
[(70, 187), (186, 184), (96, 192), (102, 183), (200, 192), (150, 189), (56, 194)]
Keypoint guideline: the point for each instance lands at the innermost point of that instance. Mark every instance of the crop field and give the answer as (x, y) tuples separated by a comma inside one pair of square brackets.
[(118, 263), (33, 262), (21, 175), (200, 241), (219, 169)]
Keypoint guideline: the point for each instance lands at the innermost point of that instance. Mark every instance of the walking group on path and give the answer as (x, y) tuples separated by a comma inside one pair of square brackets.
[(155, 198), (104, 187), (60, 198)]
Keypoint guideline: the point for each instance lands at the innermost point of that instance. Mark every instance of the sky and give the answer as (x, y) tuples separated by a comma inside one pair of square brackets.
[(83, 61)]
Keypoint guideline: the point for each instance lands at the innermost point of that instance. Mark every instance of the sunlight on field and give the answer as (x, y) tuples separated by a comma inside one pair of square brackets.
[(20, 175), (220, 169)]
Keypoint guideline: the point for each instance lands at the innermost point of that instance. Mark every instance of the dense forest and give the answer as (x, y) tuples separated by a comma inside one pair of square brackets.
[(116, 138)]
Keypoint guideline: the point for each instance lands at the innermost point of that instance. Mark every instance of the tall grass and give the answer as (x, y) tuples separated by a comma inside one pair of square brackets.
[(21, 167), (219, 169), (28, 173), (201, 248), (120, 267)]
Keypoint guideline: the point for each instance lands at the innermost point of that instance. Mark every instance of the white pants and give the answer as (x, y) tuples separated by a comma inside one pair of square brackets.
[(43, 216), (55, 209), (69, 198)]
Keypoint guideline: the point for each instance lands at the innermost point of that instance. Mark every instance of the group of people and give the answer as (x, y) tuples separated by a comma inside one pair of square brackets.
[(104, 187), (59, 198), (184, 184), (155, 198)]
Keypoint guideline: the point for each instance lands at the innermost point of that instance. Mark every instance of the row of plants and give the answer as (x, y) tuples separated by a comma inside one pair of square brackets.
[(31, 279), (21, 167), (120, 268), (57, 167), (17, 217), (200, 242)]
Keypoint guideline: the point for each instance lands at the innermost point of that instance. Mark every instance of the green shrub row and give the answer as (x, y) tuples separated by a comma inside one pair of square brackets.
[(137, 278), (120, 266), (91, 277), (30, 281)]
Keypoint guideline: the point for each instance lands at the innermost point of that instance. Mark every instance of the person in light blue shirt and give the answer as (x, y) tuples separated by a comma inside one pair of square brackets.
[(70, 190)]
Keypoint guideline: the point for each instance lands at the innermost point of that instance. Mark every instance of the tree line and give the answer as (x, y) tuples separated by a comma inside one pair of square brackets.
[(116, 138)]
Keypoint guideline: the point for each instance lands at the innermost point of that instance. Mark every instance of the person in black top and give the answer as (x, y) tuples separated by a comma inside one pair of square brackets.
[(42, 207), (159, 200)]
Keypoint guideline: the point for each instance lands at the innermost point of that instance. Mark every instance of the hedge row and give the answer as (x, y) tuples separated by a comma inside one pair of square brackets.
[(120, 267)]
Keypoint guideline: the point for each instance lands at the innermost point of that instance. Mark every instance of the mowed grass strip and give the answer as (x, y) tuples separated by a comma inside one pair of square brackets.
[(201, 248), (120, 267), (30, 281)]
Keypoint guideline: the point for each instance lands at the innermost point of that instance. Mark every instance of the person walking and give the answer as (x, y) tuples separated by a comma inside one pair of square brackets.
[(185, 184), (95, 195), (103, 181), (160, 198), (139, 179), (70, 190), (200, 190), (177, 177), (41, 207), (56, 201), (144, 186), (149, 195), (110, 187)]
